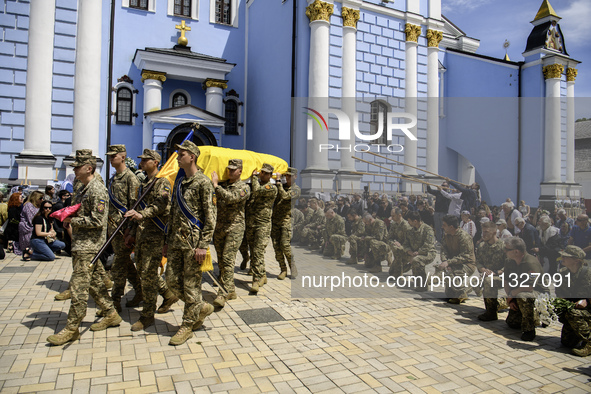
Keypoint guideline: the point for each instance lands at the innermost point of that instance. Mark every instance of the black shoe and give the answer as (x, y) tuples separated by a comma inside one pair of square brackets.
[(528, 335), (488, 316)]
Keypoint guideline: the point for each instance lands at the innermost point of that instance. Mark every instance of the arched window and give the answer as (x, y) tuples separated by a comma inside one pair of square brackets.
[(124, 110), (378, 107), (178, 100), (231, 112)]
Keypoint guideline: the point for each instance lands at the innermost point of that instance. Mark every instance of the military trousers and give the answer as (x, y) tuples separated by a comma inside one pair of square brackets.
[(525, 317), (281, 238), (226, 243), (183, 277), (577, 326), (257, 243), (312, 235), (148, 255), (86, 280), (452, 290), (356, 246), (123, 269), (490, 292), (338, 243)]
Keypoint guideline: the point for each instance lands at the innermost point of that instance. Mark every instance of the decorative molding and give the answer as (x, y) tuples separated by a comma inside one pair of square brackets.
[(412, 32), (434, 37), (571, 74), (125, 78), (350, 17), (319, 11), (215, 83), (157, 75), (553, 71)]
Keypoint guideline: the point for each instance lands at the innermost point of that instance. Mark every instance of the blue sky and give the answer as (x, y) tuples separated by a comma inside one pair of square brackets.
[(494, 21)]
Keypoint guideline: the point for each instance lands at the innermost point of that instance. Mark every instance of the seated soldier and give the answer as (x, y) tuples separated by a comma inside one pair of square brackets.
[(299, 221), (418, 249), (457, 259), (396, 235), (356, 244), (576, 322), (522, 292), (375, 237), (312, 231), (334, 235), (490, 262)]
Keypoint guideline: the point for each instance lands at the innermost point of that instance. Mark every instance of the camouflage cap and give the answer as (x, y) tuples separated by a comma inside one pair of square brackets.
[(234, 164), (267, 168), (114, 149), (189, 146), (150, 154), (82, 158), (291, 171), (573, 251)]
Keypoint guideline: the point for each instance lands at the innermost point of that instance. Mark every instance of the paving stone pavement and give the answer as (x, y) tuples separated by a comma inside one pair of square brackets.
[(402, 343)]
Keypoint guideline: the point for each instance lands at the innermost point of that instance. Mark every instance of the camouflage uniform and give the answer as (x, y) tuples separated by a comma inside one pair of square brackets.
[(89, 232), (376, 235), (356, 244), (397, 233), (421, 240), (149, 242), (298, 226), (259, 224), (576, 322), (313, 230), (335, 237), (526, 317), (282, 223), (491, 257), (124, 187), (247, 231), (183, 272), (458, 251), (229, 230), (297, 221)]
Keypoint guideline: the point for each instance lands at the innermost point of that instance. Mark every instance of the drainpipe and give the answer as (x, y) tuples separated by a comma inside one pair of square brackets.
[(519, 131), (110, 85)]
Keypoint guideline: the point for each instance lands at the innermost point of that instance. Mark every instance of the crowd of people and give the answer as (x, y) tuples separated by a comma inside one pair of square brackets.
[(147, 218), (496, 243)]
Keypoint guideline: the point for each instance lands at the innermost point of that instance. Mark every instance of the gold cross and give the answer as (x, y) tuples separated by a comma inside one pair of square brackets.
[(182, 39)]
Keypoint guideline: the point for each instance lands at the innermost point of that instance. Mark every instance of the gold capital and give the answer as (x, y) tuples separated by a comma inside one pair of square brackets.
[(553, 71), (412, 32), (215, 83), (183, 28), (571, 74), (157, 75), (319, 11), (350, 17), (434, 37)]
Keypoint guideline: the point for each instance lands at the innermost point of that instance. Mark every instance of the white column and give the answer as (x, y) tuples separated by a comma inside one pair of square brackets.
[(552, 73), (87, 78), (571, 74), (152, 102), (433, 37), (349, 89), (214, 97), (410, 77), (38, 94)]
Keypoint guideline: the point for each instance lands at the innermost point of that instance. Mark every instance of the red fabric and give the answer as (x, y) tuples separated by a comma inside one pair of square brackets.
[(65, 212)]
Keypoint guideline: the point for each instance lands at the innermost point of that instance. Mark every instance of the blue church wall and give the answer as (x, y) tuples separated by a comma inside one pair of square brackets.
[(269, 78), (532, 151), (157, 30)]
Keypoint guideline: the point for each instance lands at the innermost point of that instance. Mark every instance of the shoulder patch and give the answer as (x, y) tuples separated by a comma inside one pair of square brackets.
[(214, 199), (242, 193), (166, 191), (267, 187), (101, 206)]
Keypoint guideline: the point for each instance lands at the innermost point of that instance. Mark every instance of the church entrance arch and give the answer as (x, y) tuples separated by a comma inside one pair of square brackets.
[(201, 136)]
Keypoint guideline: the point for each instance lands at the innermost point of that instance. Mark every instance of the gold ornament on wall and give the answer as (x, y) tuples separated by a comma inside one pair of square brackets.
[(434, 37), (412, 32), (319, 11), (215, 83), (571, 74), (350, 17), (553, 71), (157, 75), (183, 41)]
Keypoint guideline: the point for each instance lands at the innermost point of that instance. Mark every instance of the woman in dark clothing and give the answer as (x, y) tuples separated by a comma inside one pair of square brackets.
[(15, 206), (43, 239)]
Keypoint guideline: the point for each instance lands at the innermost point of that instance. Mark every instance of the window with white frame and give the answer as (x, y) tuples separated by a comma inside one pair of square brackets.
[(178, 98), (124, 101), (224, 12), (146, 5), (379, 107), (184, 8)]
